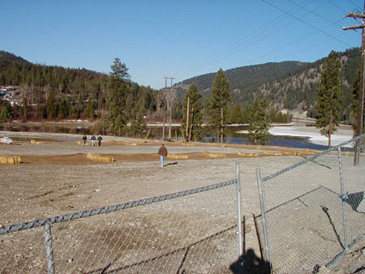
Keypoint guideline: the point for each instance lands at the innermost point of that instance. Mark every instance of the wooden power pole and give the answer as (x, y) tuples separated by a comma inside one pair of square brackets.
[(187, 120), (360, 114), (169, 98)]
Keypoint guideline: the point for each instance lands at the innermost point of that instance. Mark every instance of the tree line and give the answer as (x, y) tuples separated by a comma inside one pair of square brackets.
[(120, 107), (330, 96), (113, 101)]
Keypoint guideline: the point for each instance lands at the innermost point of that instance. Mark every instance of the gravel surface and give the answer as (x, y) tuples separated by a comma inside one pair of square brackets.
[(55, 177)]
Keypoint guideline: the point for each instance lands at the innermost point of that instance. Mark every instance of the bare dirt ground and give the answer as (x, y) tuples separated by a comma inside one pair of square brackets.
[(56, 173), (56, 177)]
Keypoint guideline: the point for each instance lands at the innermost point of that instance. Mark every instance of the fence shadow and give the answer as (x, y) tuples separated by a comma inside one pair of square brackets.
[(249, 263), (356, 201), (325, 210)]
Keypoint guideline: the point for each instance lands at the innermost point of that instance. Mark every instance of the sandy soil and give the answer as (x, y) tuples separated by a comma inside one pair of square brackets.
[(56, 177)]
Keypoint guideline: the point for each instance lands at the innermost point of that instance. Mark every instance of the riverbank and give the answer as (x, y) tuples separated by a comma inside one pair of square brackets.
[(343, 134), (307, 133)]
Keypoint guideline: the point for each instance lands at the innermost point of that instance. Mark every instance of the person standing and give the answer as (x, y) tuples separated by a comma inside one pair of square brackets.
[(93, 139), (162, 151), (99, 140), (84, 138)]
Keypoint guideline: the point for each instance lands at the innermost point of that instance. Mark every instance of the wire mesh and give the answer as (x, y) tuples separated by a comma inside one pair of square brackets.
[(312, 214), (196, 233)]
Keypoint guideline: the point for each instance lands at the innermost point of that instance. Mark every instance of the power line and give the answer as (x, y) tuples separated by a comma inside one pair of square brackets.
[(308, 24), (360, 114), (239, 45), (338, 7), (352, 3), (255, 36), (312, 12)]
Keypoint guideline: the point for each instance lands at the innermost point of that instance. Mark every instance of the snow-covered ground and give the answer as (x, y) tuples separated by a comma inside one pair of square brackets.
[(312, 133), (315, 137)]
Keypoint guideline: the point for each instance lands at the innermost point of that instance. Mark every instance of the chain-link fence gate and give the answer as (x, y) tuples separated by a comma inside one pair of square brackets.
[(193, 231), (312, 211)]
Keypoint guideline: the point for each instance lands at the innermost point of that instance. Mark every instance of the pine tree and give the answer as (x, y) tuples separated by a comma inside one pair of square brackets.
[(236, 115), (90, 109), (218, 103), (193, 116), (355, 104), (139, 125), (259, 125), (329, 96), (117, 91), (51, 106), (5, 115), (64, 108)]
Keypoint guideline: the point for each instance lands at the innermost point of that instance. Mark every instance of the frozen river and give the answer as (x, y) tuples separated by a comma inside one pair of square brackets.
[(302, 137)]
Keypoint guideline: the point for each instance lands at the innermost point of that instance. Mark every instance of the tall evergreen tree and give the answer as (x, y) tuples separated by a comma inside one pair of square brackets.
[(329, 96), (51, 106), (355, 104), (117, 92), (5, 115), (218, 103), (259, 125), (192, 117), (90, 109), (138, 125), (64, 108), (236, 114)]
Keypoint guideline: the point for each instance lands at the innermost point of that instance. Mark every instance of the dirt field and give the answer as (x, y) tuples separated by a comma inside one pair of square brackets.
[(55, 174), (56, 177)]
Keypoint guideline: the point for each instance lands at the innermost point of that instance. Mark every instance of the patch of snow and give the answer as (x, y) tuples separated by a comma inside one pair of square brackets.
[(6, 140), (312, 134)]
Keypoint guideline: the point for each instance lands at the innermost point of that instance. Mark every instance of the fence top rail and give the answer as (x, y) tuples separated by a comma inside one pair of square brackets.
[(108, 209), (267, 178)]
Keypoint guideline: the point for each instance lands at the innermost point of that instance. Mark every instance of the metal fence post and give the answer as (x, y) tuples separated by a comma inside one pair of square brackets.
[(263, 215), (344, 198), (49, 249), (239, 216)]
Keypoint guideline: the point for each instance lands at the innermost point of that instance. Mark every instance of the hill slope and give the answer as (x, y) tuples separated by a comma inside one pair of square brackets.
[(9, 57), (288, 85)]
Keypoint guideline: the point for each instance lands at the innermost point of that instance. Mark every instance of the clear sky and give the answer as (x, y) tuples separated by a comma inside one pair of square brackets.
[(173, 38)]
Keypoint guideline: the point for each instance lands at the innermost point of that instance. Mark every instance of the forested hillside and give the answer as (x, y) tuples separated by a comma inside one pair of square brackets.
[(248, 78), (287, 85), (37, 83), (53, 92), (37, 91)]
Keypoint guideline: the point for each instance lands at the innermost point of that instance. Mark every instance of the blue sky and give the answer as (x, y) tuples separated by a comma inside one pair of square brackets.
[(180, 39)]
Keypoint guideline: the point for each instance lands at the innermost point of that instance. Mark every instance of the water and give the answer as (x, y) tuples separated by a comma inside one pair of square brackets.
[(231, 138), (284, 141), (51, 128)]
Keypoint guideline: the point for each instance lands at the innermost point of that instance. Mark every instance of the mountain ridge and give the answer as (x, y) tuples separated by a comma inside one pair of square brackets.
[(288, 85)]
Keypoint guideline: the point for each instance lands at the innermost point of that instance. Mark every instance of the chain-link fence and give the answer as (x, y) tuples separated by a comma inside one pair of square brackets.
[(193, 231), (313, 211)]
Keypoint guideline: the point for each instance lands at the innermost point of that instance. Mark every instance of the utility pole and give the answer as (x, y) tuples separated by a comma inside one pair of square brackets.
[(170, 99), (187, 120), (164, 107), (360, 114)]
